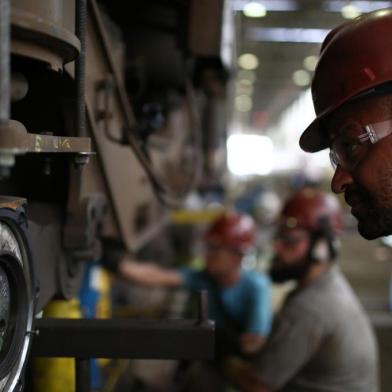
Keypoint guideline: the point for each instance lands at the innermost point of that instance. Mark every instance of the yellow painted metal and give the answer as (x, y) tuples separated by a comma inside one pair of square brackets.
[(196, 216), (56, 374)]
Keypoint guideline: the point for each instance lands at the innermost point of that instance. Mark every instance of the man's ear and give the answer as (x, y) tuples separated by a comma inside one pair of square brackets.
[(321, 251)]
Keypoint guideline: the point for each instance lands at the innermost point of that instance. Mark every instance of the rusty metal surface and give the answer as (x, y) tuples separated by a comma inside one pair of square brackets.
[(4, 62), (15, 139), (169, 189), (85, 215), (45, 143), (93, 182), (57, 273), (43, 28), (175, 152), (80, 66), (135, 210), (12, 202), (205, 35), (99, 28)]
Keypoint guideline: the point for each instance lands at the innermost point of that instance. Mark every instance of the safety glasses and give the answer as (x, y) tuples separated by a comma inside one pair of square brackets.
[(290, 239), (352, 143)]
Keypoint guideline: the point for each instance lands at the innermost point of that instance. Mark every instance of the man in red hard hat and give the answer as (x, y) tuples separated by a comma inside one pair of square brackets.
[(321, 340), (352, 96), (238, 299)]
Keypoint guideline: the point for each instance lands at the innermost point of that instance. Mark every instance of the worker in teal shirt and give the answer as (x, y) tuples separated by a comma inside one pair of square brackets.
[(246, 305), (239, 300)]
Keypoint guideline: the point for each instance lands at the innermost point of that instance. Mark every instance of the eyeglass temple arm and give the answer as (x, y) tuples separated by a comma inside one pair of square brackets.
[(377, 131)]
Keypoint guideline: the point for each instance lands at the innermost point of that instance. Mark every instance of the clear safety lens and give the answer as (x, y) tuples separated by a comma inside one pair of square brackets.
[(351, 144)]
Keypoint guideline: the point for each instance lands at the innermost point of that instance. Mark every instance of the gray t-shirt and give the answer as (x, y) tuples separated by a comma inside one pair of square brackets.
[(321, 342)]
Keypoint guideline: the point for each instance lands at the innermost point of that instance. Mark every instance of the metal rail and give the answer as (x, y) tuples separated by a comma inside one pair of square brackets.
[(4, 62), (80, 66), (122, 338)]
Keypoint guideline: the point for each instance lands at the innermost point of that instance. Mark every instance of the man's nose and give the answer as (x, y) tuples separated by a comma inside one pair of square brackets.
[(341, 180)]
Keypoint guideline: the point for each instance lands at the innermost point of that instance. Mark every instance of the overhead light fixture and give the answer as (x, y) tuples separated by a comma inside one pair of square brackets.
[(350, 11), (310, 63), (254, 9), (330, 5), (243, 103), (362, 5), (301, 78), (270, 5), (244, 82), (286, 34), (245, 87), (249, 154), (248, 61), (246, 74)]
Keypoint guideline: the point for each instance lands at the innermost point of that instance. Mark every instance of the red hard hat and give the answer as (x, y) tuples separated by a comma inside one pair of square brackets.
[(232, 230), (309, 208), (355, 57)]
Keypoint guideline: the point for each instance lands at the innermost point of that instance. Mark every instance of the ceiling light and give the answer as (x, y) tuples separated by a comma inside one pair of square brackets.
[(245, 87), (254, 9), (350, 11), (243, 103), (270, 5), (310, 63), (301, 78), (286, 34), (244, 82), (248, 61), (330, 5), (362, 5), (245, 74), (249, 154)]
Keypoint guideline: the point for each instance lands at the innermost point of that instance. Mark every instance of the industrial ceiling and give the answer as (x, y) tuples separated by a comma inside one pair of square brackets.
[(290, 31)]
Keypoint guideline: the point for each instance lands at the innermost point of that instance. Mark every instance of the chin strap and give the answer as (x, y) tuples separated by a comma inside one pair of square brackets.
[(323, 244)]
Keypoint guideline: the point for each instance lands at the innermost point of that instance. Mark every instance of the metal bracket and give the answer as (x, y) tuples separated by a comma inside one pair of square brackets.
[(14, 139), (121, 338)]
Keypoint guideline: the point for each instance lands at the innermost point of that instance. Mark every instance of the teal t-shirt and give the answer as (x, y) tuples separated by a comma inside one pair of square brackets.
[(248, 302)]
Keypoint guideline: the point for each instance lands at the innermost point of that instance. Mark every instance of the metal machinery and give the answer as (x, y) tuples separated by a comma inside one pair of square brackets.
[(98, 133)]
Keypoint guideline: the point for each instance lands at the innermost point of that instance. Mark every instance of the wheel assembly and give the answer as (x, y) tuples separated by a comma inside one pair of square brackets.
[(17, 297)]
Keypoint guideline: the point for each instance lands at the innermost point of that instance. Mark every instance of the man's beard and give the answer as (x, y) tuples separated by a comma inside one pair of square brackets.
[(375, 221), (281, 273)]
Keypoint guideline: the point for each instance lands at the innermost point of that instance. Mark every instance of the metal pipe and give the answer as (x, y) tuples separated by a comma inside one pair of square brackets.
[(123, 338), (80, 66), (82, 372), (5, 66), (202, 306)]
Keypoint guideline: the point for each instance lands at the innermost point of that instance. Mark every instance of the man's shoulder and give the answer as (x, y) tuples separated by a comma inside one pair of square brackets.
[(325, 300), (255, 279), (305, 304)]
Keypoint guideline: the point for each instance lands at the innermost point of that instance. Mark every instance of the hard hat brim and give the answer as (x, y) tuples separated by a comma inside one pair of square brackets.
[(313, 139)]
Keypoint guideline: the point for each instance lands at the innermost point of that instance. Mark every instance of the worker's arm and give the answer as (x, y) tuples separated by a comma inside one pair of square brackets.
[(251, 342), (297, 335), (244, 376), (259, 316), (149, 274)]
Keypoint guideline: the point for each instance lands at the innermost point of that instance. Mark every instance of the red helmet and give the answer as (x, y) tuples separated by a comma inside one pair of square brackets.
[(233, 230), (355, 57), (309, 209)]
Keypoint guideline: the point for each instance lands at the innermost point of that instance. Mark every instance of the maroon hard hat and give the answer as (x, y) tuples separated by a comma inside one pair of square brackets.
[(355, 57), (232, 230), (309, 209)]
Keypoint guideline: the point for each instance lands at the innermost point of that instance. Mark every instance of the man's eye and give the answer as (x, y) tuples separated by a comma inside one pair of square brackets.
[(353, 149)]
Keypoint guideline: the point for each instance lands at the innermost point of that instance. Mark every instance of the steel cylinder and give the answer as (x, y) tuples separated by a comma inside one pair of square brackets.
[(45, 30)]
